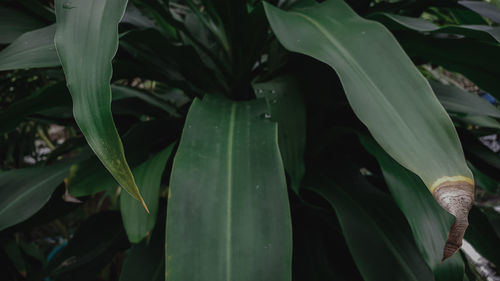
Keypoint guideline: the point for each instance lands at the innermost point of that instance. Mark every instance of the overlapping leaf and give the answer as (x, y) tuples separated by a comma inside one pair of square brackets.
[(32, 49), (398, 22), (137, 223), (287, 106), (87, 40), (228, 210), (13, 23)]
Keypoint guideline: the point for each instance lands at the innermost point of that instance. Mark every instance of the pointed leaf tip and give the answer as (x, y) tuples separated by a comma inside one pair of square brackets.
[(143, 204)]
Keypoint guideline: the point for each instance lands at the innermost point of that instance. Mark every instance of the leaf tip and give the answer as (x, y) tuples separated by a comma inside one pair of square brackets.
[(457, 198), (144, 204)]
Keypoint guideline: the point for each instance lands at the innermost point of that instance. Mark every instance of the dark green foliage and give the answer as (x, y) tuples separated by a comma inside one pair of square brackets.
[(238, 121)]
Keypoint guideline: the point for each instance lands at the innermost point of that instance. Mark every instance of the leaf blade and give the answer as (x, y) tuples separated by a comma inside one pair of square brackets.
[(137, 223), (426, 144), (86, 41), (228, 197)]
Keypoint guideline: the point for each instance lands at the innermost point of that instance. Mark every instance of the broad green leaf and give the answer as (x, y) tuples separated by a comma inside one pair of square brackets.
[(13, 23), (398, 22), (457, 100), (137, 223), (24, 191), (376, 234), (288, 110), (388, 94), (428, 221), (228, 215), (86, 41), (483, 8), (32, 49)]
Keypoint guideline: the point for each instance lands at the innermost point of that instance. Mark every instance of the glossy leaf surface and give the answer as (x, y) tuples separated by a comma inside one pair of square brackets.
[(228, 215), (384, 88), (86, 41)]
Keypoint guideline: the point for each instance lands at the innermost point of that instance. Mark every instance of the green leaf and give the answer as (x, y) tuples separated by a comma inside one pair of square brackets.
[(90, 176), (122, 92), (86, 41), (481, 121), (24, 191), (376, 233), (481, 235), (145, 261), (483, 8), (288, 110), (455, 55), (457, 100), (428, 221), (228, 215), (387, 93), (137, 223), (32, 49), (13, 23), (398, 23)]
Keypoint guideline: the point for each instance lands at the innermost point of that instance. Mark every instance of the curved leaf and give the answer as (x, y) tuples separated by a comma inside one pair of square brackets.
[(13, 23), (228, 215), (457, 100), (377, 236), (454, 54), (288, 110), (483, 8), (32, 49), (137, 223), (86, 41), (428, 221), (398, 22), (388, 94), (24, 191)]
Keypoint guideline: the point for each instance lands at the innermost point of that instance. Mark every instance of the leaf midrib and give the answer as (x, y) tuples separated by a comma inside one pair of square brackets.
[(229, 182)]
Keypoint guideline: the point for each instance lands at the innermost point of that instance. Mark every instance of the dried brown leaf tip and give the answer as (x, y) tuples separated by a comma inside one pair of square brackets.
[(455, 195)]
